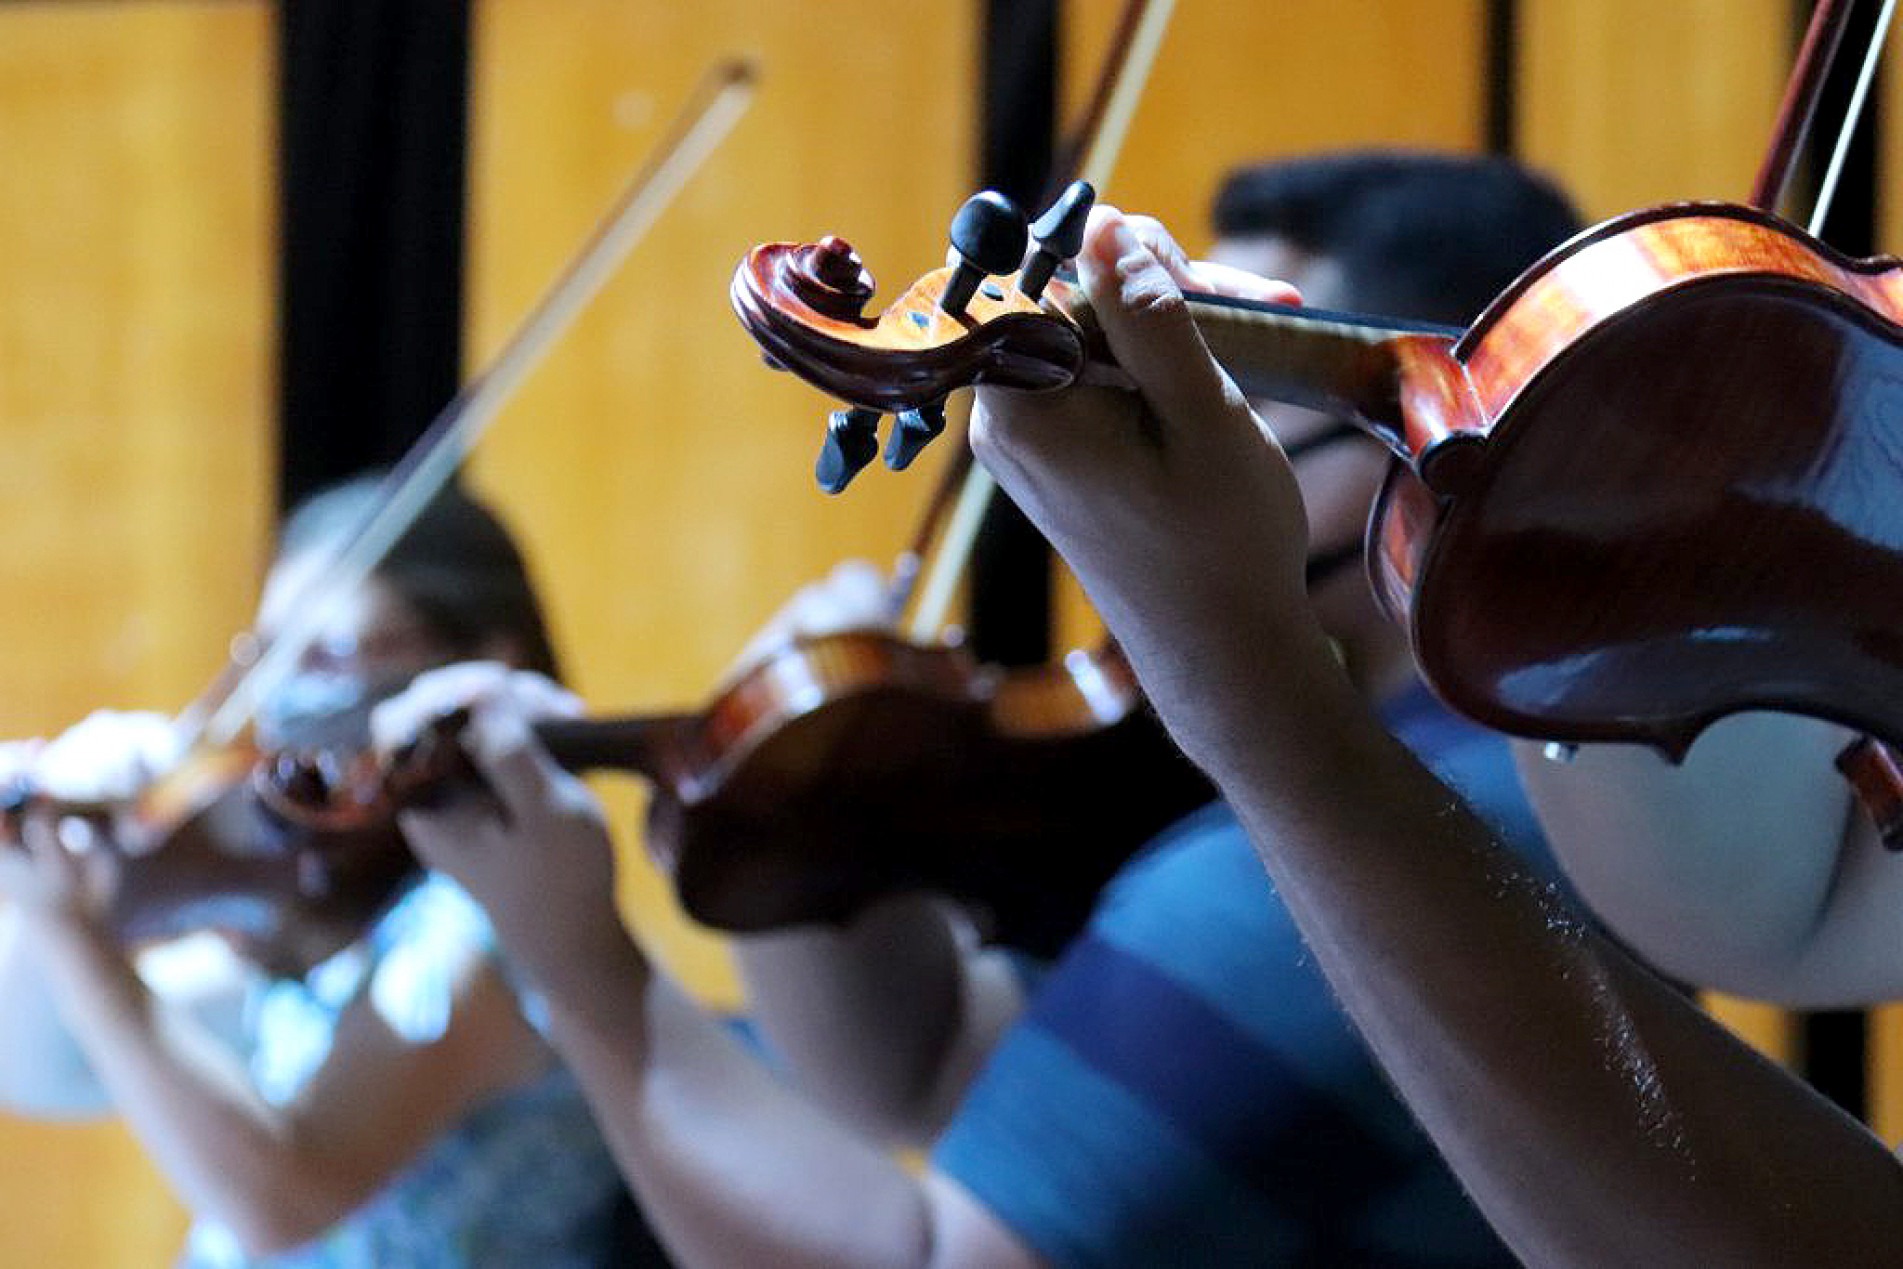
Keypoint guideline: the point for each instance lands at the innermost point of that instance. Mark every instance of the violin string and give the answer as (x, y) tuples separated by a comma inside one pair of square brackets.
[(1106, 125), (1828, 189), (723, 96)]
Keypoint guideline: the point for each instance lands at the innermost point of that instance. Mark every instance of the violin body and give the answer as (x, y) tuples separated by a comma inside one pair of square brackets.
[(1669, 491), (846, 767), (199, 851), (857, 765), (284, 895)]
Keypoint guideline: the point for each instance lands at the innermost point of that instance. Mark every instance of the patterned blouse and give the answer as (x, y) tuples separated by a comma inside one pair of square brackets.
[(523, 1180)]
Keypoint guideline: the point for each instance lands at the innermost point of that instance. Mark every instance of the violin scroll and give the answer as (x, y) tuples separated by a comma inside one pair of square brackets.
[(975, 322)]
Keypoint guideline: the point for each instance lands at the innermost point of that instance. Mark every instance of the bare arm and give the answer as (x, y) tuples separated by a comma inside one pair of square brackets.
[(1596, 1116), (885, 1020), (277, 1175), (43, 1071), (731, 1166)]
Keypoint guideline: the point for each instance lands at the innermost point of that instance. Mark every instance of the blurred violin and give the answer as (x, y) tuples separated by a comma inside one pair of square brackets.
[(1655, 483), (198, 852), (840, 769)]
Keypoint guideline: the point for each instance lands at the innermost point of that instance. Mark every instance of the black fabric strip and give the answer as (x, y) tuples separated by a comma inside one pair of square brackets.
[(1011, 589), (372, 109)]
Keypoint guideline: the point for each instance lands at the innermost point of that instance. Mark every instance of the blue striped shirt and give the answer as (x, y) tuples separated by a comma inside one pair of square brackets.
[(1182, 1088)]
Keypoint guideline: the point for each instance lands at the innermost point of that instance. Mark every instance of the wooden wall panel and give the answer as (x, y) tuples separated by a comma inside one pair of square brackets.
[(1887, 101), (1884, 1079), (1630, 102), (135, 391), (661, 477), (1235, 83)]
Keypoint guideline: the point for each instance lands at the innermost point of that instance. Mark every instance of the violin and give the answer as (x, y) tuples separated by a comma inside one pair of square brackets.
[(1555, 586), (198, 851), (840, 769)]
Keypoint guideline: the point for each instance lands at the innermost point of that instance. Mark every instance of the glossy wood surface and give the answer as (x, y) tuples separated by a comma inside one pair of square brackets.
[(1569, 593), (135, 389), (1685, 112)]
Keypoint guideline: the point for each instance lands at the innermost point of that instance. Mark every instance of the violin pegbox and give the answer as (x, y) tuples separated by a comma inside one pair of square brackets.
[(982, 320)]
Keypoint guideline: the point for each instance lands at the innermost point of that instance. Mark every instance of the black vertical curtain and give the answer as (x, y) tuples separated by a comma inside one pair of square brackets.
[(372, 144), (1010, 618), (1500, 107)]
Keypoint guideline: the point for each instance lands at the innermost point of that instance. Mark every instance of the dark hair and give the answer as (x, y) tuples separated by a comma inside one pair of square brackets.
[(1432, 237), (457, 566)]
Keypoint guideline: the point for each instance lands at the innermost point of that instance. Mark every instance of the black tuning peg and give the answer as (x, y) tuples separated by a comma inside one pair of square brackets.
[(988, 234), (1059, 235), (912, 431), (852, 441)]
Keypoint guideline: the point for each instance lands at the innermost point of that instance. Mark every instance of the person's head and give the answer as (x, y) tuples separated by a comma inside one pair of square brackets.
[(454, 587), (1420, 236)]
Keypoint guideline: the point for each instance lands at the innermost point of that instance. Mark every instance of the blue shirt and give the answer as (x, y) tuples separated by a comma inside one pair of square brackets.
[(1182, 1088)]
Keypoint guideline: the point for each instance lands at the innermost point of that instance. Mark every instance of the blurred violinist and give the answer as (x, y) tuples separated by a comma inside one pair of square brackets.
[(350, 1083), (1178, 1086)]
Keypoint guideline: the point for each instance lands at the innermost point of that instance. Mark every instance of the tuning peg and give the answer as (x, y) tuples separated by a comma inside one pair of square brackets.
[(1059, 234), (912, 431), (988, 234), (852, 441)]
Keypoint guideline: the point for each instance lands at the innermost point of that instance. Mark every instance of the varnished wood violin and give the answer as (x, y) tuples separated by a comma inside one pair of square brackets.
[(842, 768), (1655, 483)]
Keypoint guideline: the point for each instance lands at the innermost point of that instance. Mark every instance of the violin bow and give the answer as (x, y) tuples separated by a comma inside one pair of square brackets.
[(1823, 38), (258, 664), (1090, 155)]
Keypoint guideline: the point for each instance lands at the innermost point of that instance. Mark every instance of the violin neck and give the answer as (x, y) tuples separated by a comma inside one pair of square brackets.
[(654, 746), (1339, 363)]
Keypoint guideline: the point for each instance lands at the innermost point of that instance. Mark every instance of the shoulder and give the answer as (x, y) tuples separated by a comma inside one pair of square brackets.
[(426, 953)]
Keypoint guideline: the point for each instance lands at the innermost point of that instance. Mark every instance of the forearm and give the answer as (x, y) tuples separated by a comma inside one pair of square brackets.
[(731, 1166), (229, 1155), (1596, 1116), (43, 1071), (882, 1020)]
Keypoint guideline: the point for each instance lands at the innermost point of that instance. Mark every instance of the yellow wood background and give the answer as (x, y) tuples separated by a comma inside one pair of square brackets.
[(659, 476), (135, 316)]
